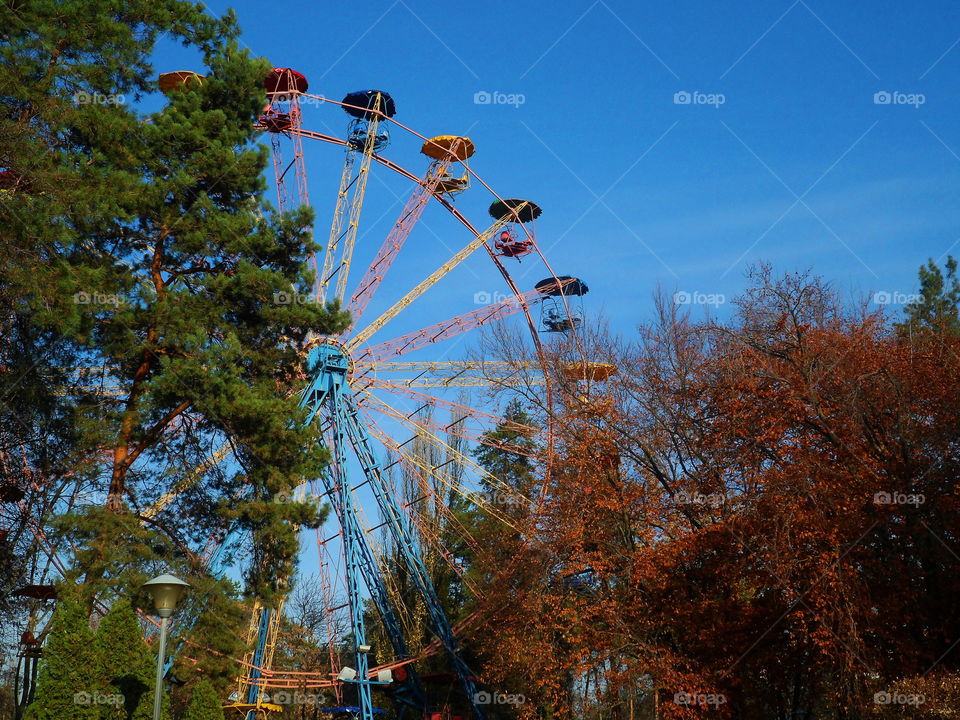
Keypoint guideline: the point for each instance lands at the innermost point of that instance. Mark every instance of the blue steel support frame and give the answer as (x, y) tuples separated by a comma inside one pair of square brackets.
[(329, 389), (354, 563), (329, 375), (399, 526), (263, 630)]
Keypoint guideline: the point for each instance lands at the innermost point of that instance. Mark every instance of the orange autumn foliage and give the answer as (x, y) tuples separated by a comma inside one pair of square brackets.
[(758, 521)]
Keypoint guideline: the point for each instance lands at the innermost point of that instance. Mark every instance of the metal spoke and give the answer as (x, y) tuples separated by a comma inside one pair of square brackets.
[(428, 283)]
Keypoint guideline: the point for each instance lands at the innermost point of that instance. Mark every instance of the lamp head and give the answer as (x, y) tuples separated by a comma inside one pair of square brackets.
[(166, 591)]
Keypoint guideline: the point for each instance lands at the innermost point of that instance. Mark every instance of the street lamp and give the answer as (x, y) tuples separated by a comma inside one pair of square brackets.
[(166, 592)]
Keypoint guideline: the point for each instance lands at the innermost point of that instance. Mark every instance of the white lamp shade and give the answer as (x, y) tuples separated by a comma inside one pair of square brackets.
[(385, 676), (347, 674), (166, 592)]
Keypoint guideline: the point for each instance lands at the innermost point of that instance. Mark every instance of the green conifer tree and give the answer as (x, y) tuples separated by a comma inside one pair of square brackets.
[(140, 244), (498, 454), (124, 667), (65, 685), (938, 307), (205, 704)]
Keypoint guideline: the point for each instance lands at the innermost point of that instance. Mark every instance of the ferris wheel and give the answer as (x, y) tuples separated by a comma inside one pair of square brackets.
[(361, 388)]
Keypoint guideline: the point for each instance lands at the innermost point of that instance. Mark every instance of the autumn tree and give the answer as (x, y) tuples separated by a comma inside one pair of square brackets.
[(774, 535)]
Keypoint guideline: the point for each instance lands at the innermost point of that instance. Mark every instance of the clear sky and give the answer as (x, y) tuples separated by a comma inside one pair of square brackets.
[(783, 156)]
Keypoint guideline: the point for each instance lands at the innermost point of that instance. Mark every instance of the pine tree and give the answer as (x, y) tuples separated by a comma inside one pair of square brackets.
[(205, 704), (65, 686), (123, 666), (142, 245), (498, 454), (937, 307)]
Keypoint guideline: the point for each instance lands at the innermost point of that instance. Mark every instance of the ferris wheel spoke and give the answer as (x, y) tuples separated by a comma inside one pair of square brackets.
[(400, 531), (421, 468), (425, 400), (196, 474), (456, 428), (446, 374), (445, 150), (431, 536), (188, 481), (357, 541), (428, 283), (366, 136), (449, 328), (451, 452)]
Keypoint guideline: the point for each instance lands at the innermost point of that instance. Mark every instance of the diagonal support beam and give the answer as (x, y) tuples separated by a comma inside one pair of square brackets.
[(430, 281), (350, 196), (394, 241), (449, 328), (399, 526)]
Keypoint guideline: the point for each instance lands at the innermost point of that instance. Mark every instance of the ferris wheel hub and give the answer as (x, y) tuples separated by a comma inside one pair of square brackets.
[(332, 356)]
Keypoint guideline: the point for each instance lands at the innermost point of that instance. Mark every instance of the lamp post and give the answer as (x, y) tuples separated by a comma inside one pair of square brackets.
[(166, 591)]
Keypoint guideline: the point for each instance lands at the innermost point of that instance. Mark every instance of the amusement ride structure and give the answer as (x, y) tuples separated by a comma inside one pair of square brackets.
[(355, 384)]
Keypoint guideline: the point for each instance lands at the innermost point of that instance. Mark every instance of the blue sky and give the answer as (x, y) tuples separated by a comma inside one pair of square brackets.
[(798, 165)]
